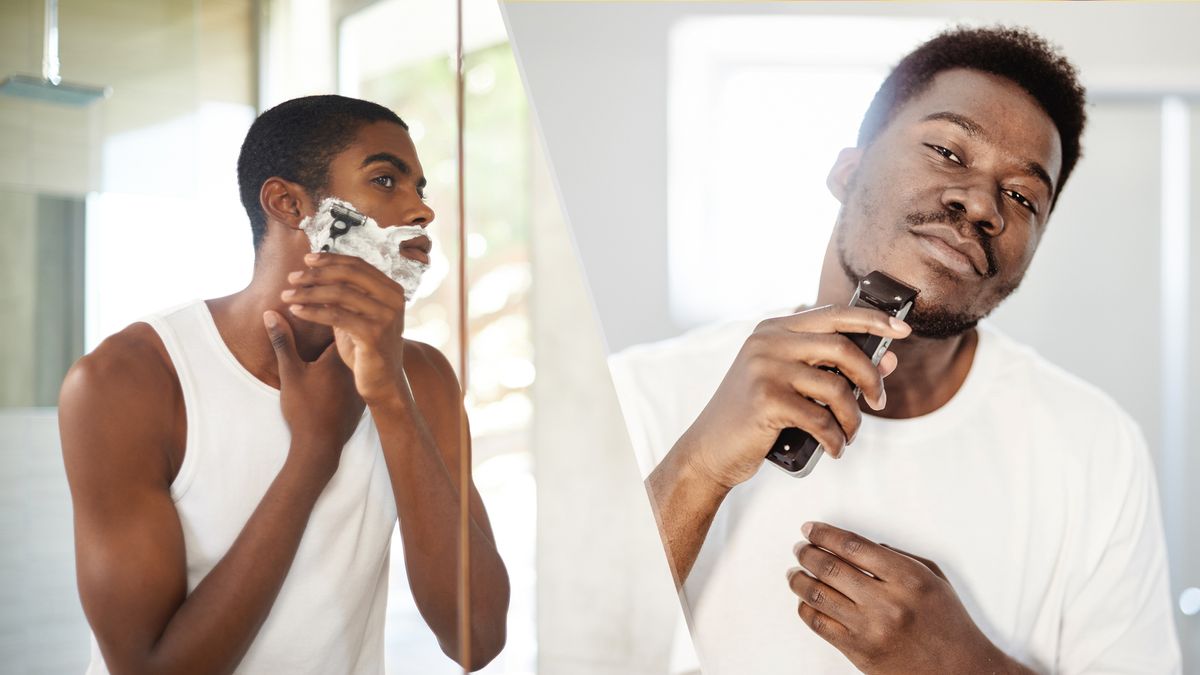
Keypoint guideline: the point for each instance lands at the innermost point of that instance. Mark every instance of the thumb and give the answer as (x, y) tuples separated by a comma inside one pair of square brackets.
[(283, 343), (330, 353)]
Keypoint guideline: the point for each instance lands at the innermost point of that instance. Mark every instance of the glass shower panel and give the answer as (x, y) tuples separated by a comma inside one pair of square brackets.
[(41, 295)]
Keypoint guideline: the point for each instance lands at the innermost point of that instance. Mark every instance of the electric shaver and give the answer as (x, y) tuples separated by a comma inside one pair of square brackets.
[(795, 450)]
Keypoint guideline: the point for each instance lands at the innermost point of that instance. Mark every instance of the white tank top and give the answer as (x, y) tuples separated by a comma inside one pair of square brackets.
[(329, 615)]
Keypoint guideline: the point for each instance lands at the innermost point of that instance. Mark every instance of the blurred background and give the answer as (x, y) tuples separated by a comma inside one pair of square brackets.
[(691, 143), (121, 199)]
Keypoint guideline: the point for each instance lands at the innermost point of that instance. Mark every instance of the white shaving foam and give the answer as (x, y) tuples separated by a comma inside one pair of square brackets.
[(379, 246)]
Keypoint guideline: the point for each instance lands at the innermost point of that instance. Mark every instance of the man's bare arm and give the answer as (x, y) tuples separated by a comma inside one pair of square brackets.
[(774, 383), (685, 502), (116, 418), (420, 438), (414, 398)]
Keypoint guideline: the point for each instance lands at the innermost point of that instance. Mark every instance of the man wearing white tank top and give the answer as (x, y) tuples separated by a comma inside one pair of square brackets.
[(237, 465)]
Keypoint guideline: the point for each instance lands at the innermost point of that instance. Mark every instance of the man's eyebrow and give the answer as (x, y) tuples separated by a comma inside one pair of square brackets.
[(1035, 170), (969, 125), (973, 129), (395, 161)]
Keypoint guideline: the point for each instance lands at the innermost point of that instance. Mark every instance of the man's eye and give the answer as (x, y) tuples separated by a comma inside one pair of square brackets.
[(945, 152), (1020, 199), (385, 181)]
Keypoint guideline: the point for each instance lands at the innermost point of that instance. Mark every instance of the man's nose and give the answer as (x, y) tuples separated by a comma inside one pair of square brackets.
[(978, 205), (418, 213)]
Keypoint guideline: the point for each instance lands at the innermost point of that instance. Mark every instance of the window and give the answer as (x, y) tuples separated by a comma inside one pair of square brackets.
[(758, 109), (413, 74)]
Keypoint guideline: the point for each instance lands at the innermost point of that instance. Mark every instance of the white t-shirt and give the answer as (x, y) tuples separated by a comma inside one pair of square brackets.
[(1031, 489)]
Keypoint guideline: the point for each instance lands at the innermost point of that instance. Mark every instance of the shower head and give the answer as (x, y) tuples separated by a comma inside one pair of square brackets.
[(50, 87), (64, 93)]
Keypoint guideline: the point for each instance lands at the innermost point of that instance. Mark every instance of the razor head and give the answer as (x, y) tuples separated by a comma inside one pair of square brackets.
[(884, 293), (888, 295), (344, 218)]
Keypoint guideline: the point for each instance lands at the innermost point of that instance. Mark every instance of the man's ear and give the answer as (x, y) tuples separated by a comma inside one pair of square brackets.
[(842, 174), (284, 201)]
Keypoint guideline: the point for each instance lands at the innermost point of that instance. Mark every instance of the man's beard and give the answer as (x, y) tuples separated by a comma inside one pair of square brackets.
[(935, 321)]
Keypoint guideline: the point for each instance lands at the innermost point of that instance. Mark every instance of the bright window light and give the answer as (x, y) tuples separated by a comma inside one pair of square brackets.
[(758, 109), (159, 238)]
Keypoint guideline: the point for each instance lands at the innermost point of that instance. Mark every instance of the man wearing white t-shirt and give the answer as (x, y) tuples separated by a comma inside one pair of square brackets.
[(996, 515)]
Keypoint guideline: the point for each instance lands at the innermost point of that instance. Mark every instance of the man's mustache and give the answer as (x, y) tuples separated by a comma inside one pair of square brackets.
[(957, 218)]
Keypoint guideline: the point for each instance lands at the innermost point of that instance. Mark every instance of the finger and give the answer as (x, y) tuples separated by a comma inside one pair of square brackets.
[(835, 392), (341, 295), (839, 351), (384, 289), (843, 319), (280, 332), (836, 572), (888, 364), (820, 349), (933, 567), (335, 268), (853, 548), (823, 598), (326, 258), (827, 628), (336, 317), (796, 410)]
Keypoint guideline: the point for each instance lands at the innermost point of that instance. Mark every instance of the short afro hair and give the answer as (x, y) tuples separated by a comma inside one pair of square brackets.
[(1017, 54), (295, 141)]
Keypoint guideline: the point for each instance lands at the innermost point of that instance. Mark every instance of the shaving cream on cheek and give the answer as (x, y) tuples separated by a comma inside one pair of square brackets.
[(338, 227)]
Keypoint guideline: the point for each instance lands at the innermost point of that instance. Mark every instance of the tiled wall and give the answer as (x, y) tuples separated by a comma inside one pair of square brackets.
[(162, 60), (42, 628)]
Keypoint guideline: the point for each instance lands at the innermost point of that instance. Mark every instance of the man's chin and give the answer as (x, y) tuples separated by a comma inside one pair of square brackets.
[(938, 323), (930, 318)]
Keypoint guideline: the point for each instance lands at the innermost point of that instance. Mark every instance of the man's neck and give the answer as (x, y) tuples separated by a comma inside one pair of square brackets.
[(239, 321), (929, 372)]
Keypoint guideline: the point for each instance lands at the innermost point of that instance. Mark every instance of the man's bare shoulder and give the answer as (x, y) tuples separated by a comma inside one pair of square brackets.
[(129, 365), (118, 397), (430, 373)]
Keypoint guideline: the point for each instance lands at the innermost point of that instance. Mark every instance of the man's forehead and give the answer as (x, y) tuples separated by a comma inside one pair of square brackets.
[(1005, 115), (380, 138)]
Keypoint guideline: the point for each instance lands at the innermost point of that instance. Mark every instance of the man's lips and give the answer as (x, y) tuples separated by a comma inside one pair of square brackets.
[(957, 251), (417, 248)]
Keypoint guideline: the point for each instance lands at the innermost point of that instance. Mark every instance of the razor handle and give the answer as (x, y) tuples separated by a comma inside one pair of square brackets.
[(795, 450)]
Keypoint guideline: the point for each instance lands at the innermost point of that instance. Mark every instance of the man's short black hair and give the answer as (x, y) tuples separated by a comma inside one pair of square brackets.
[(1017, 54), (295, 141)]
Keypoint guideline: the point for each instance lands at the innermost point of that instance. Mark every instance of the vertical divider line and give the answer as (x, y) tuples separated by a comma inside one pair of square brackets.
[(464, 439), (1175, 280)]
